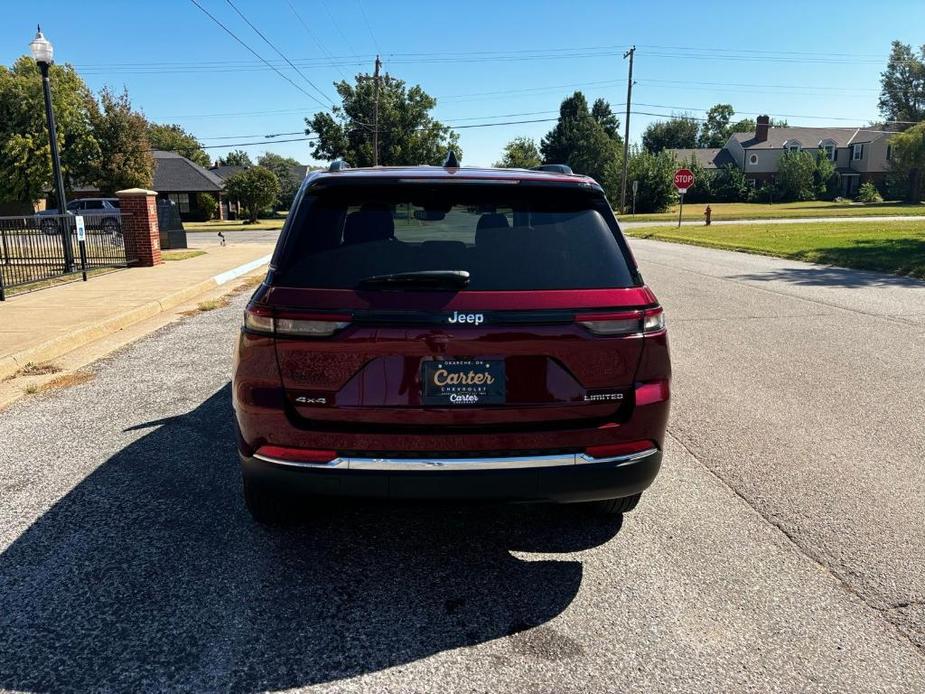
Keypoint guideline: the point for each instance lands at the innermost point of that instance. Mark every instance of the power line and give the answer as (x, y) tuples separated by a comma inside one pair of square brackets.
[(369, 26), (340, 31), (235, 37), (278, 52), (317, 41)]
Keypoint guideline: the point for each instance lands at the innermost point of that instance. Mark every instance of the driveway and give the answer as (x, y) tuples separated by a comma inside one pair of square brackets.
[(779, 550)]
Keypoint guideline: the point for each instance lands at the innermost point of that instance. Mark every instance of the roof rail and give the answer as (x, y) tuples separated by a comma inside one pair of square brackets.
[(554, 168), (338, 165)]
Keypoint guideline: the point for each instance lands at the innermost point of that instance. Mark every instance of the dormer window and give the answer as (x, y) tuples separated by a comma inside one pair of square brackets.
[(828, 146), (792, 146), (857, 152)]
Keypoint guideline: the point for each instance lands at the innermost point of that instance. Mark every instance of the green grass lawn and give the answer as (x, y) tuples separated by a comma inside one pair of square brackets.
[(895, 247), (181, 254), (216, 226), (753, 210)]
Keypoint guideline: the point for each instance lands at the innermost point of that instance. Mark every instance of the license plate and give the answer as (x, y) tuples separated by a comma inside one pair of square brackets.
[(455, 382)]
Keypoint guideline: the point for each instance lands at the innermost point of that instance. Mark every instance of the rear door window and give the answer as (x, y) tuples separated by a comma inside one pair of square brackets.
[(540, 239)]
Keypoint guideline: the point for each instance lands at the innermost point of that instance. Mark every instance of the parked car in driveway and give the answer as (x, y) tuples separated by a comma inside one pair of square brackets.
[(101, 214), (445, 332)]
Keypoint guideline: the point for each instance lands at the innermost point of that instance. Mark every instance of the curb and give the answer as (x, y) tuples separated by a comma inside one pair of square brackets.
[(55, 347)]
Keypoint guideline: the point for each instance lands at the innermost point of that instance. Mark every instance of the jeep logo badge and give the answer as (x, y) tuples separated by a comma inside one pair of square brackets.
[(473, 318)]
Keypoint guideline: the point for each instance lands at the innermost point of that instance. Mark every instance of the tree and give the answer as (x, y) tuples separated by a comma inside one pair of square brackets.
[(520, 153), (25, 155), (902, 84), (795, 176), (907, 168), (285, 170), (676, 133), (173, 138), (256, 188), (825, 176), (236, 157), (408, 133), (581, 140), (603, 114), (716, 129), (655, 173), (125, 159)]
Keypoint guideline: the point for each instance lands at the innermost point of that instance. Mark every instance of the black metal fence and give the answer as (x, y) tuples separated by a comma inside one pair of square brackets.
[(32, 248)]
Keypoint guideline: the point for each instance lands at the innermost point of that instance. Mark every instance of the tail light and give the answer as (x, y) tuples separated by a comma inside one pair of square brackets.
[(625, 323), (262, 320)]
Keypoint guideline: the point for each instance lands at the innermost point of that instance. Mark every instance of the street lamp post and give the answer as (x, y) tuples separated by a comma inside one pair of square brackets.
[(43, 52)]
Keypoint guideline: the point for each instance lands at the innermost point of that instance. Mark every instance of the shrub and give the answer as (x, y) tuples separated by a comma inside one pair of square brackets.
[(207, 206), (868, 193), (729, 184)]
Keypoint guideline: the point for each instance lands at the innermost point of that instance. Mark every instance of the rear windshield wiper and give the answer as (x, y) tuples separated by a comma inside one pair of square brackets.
[(436, 279)]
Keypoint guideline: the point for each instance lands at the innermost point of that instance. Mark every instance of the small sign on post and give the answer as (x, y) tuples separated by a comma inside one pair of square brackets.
[(683, 179), (82, 244), (635, 190)]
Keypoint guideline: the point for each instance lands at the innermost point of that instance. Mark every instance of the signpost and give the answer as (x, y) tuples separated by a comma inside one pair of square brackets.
[(683, 179), (82, 243), (635, 190)]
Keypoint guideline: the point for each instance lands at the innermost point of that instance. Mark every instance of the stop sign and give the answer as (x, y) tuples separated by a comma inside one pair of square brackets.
[(683, 179)]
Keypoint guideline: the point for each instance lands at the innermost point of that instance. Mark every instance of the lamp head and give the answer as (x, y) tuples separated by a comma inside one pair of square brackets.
[(41, 48)]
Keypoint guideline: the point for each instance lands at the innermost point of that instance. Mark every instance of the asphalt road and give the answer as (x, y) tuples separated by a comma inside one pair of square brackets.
[(774, 552), (202, 239)]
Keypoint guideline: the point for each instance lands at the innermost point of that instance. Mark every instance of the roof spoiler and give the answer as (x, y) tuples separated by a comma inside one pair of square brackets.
[(554, 168)]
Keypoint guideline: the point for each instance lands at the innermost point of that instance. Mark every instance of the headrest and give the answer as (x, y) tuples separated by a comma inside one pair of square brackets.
[(369, 224)]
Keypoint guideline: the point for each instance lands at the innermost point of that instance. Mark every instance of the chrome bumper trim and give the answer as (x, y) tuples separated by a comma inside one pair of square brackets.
[(421, 464)]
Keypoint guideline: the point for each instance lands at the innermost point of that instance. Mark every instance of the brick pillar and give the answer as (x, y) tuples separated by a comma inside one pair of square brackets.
[(139, 228)]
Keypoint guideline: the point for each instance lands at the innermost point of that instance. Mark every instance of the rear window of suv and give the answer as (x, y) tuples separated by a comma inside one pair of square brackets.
[(505, 239)]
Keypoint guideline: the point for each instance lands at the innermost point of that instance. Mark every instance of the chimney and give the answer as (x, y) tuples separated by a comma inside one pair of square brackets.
[(761, 128)]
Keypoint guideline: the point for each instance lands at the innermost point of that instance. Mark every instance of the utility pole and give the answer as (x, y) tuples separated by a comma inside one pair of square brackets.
[(376, 112), (626, 129)]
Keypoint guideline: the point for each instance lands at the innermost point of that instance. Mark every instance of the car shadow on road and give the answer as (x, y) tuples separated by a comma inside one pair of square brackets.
[(900, 256), (150, 575)]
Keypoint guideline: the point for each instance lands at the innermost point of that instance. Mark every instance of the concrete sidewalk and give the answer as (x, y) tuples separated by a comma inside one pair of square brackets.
[(47, 323)]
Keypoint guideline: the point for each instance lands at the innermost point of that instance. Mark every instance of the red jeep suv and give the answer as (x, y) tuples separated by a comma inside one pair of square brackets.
[(454, 333)]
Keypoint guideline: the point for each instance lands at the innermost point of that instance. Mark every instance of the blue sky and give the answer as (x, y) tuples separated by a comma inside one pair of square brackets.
[(815, 63)]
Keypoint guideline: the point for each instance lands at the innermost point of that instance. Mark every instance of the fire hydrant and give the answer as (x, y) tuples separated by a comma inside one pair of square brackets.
[(706, 213)]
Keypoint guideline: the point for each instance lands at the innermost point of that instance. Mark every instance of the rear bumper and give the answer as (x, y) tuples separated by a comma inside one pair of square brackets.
[(556, 478)]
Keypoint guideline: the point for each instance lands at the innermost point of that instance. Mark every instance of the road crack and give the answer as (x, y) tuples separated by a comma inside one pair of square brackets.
[(813, 556)]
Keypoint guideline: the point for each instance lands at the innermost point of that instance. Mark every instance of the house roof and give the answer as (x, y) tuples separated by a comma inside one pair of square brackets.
[(707, 157), (299, 171), (808, 137), (226, 171), (177, 174)]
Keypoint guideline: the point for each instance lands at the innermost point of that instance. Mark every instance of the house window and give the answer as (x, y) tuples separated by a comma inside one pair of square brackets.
[(829, 151), (889, 152), (753, 159), (181, 200), (857, 152)]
